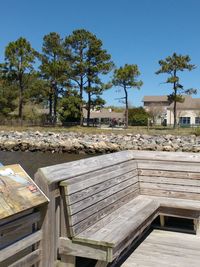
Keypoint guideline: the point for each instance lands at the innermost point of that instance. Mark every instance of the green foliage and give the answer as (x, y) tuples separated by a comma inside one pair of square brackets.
[(171, 65), (138, 117), (127, 77), (8, 95), (54, 70), (69, 108), (18, 67), (88, 62)]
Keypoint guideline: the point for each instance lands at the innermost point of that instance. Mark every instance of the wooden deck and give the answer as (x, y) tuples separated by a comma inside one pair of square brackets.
[(166, 249)]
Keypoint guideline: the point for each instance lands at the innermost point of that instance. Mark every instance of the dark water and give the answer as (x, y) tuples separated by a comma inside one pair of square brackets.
[(31, 161)]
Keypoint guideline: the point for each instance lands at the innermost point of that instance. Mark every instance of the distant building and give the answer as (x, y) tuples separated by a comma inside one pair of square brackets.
[(188, 112), (105, 116)]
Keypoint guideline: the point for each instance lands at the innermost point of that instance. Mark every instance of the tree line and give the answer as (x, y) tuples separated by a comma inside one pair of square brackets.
[(68, 75)]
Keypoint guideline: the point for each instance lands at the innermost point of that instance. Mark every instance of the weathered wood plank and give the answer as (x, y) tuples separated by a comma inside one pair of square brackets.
[(89, 179), (60, 172), (165, 156), (168, 166), (172, 181), (92, 199), (169, 194), (170, 187), (28, 260), (115, 199), (124, 223), (181, 203), (114, 211), (20, 245), (162, 248), (169, 174), (67, 247), (116, 203), (99, 186), (101, 264), (48, 242)]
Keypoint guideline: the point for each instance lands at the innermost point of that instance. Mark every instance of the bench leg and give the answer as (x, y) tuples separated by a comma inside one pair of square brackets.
[(101, 264), (162, 220), (67, 261), (197, 226)]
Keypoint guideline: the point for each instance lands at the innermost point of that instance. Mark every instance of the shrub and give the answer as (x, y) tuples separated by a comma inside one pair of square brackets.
[(138, 117)]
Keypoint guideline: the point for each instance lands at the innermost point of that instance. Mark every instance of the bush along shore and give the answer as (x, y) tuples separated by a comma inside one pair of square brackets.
[(72, 142)]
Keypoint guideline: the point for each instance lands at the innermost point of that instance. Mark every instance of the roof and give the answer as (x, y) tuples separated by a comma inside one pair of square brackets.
[(104, 113), (189, 103), (161, 98)]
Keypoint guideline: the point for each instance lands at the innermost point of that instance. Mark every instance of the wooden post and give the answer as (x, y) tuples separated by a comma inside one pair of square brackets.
[(101, 264), (67, 261), (197, 226), (48, 241), (162, 220)]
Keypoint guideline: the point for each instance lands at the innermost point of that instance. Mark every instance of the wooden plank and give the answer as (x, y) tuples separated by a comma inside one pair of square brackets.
[(101, 264), (67, 261), (166, 156), (60, 172), (116, 203), (177, 203), (129, 218), (48, 243), (99, 186), (168, 166), (115, 210), (20, 245), (170, 187), (169, 174), (169, 194), (17, 234), (174, 181), (29, 260), (90, 178), (67, 247), (162, 248), (92, 199), (99, 206), (17, 229)]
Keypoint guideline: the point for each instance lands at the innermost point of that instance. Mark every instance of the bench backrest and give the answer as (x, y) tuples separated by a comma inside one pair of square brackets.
[(169, 178), (92, 196)]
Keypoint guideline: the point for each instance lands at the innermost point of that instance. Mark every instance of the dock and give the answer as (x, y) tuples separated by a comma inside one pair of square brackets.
[(165, 248)]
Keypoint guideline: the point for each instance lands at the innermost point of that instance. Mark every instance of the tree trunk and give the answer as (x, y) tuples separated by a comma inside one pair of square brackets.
[(175, 95), (21, 101), (88, 109), (50, 106), (81, 104), (175, 115), (126, 110), (55, 105)]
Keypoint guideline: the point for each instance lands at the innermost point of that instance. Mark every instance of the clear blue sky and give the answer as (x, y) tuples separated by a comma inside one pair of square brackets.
[(133, 31)]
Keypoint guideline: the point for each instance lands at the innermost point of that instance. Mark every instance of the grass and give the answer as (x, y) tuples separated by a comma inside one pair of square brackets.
[(92, 130)]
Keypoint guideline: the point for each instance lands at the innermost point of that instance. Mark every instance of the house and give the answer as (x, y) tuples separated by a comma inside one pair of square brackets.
[(105, 116), (188, 112), (157, 107)]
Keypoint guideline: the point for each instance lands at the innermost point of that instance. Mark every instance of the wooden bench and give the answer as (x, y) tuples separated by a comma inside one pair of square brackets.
[(100, 205)]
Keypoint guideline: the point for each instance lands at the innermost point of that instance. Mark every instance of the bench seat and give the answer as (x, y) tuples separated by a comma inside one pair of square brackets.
[(185, 208), (121, 227)]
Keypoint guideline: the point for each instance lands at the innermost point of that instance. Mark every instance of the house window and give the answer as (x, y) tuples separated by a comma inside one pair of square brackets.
[(197, 120), (184, 120)]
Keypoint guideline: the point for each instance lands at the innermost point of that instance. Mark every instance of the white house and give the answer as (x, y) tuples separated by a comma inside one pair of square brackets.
[(188, 112)]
